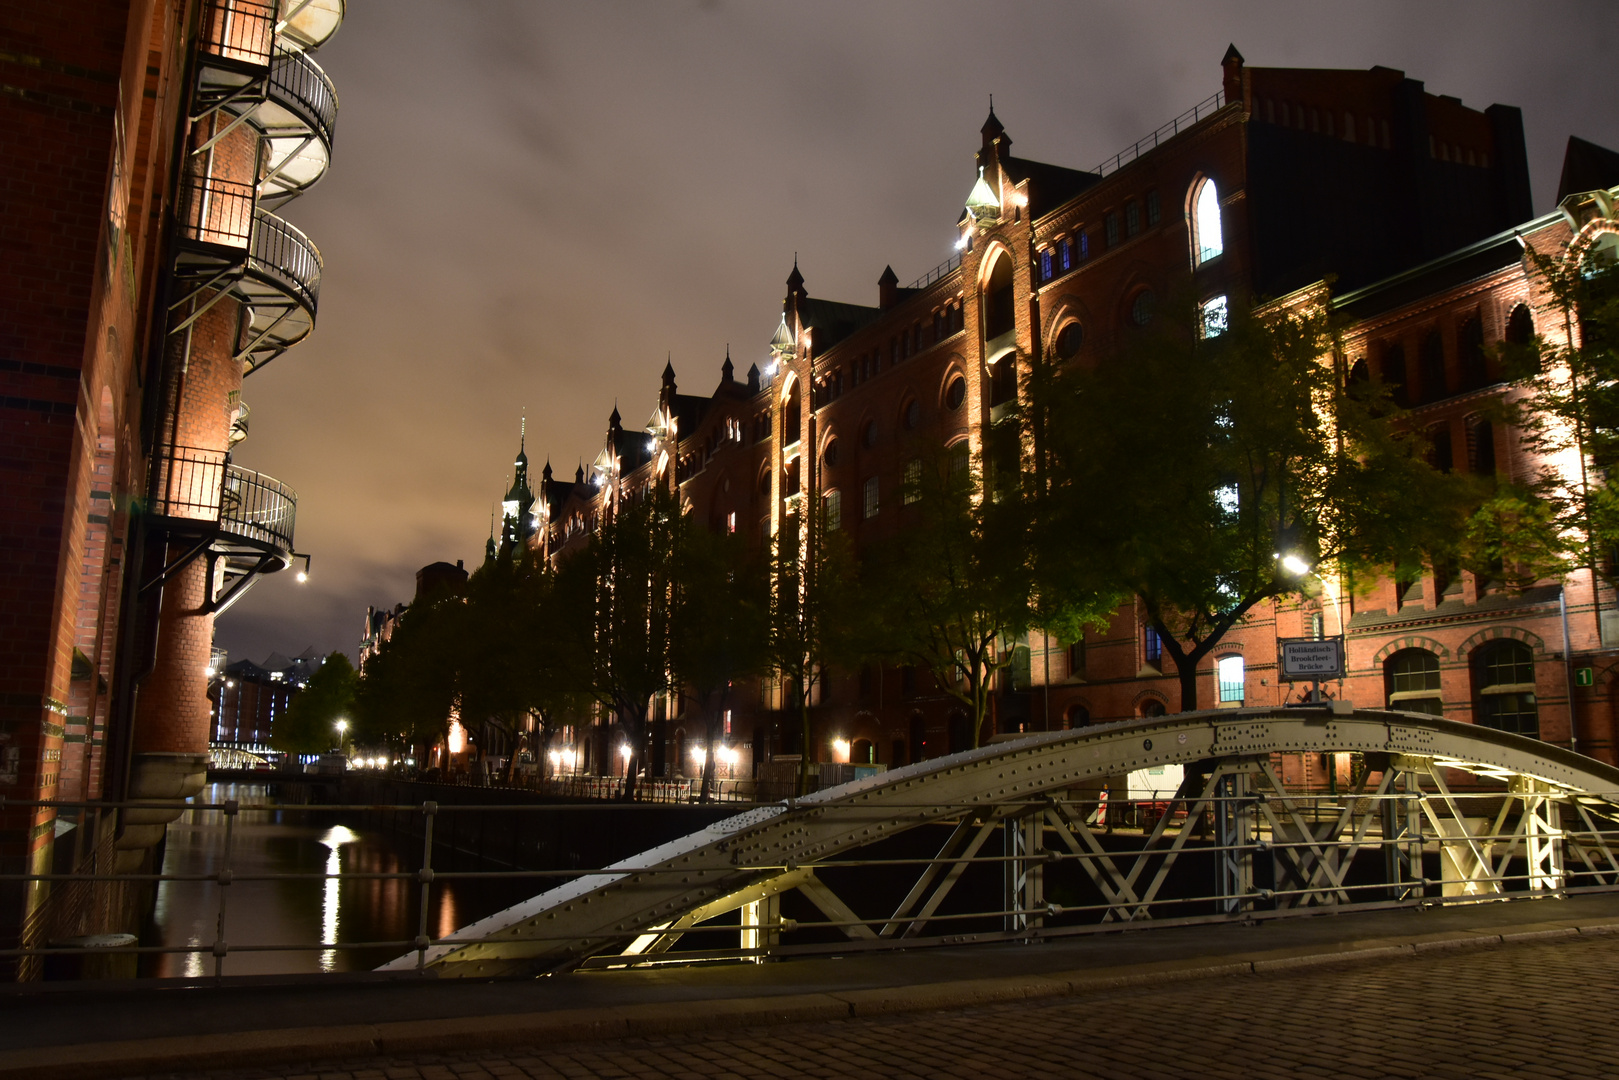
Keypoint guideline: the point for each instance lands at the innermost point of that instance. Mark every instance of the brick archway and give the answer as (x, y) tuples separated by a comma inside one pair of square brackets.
[(1496, 633)]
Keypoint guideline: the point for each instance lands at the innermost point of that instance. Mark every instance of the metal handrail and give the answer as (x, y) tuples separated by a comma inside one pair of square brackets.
[(199, 484), (937, 272), (239, 30), (1191, 116), (296, 79), (283, 253)]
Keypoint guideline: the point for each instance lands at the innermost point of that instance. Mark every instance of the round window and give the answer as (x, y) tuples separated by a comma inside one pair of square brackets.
[(956, 392), (913, 415), (1069, 339), (868, 434), (830, 454), (1141, 308)]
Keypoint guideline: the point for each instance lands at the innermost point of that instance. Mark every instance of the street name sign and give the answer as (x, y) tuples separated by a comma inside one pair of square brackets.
[(1311, 660)]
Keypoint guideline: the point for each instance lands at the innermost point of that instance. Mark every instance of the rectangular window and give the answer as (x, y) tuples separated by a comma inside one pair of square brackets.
[(1111, 224), (1076, 659), (730, 522), (1084, 245), (913, 481), (1230, 673), (834, 510), (1065, 254), (1216, 317), (1045, 265), (1132, 218), (1154, 208), (871, 497), (1152, 646)]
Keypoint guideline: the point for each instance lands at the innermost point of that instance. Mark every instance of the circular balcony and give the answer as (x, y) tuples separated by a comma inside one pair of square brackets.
[(257, 511), (297, 120), (227, 242), (308, 24)]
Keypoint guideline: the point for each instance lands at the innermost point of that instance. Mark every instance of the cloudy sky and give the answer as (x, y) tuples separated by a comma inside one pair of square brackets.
[(533, 202)]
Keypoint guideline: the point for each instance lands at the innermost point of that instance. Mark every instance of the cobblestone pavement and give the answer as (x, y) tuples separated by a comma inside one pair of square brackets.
[(1525, 1010)]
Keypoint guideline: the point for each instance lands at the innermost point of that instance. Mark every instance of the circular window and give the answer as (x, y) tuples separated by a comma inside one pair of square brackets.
[(913, 414), (1141, 308), (868, 434), (830, 454), (1068, 341), (956, 392)]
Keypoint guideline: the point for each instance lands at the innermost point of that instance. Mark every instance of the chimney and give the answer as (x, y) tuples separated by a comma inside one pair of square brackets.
[(887, 289)]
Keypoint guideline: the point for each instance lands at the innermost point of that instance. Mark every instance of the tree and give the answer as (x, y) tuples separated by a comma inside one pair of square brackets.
[(407, 691), (1568, 513), (955, 585), (816, 616), (720, 628), (1204, 473), (625, 575), (309, 726)]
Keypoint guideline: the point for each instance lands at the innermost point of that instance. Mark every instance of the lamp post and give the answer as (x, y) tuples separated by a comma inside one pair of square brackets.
[(342, 729)]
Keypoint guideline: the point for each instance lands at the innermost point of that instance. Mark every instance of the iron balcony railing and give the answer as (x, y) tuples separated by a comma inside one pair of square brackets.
[(240, 31), (225, 214), (198, 484), (299, 85)]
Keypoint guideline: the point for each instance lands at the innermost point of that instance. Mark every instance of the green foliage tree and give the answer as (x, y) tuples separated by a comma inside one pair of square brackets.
[(817, 618), (1187, 468), (407, 690), (953, 587), (309, 726), (1567, 514), (625, 578), (719, 628)]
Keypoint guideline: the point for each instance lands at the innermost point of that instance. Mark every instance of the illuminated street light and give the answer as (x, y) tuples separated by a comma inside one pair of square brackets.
[(1294, 564)]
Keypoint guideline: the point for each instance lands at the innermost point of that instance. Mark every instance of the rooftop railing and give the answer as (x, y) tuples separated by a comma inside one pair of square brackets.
[(1174, 127), (937, 272)]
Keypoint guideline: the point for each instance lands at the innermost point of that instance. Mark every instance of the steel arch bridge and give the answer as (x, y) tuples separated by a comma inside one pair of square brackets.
[(1439, 811)]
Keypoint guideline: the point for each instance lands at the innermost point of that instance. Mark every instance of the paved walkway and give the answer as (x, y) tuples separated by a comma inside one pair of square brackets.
[(1415, 992), (1539, 1009)]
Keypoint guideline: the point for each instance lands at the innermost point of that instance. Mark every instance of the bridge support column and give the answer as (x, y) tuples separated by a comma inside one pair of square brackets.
[(1542, 834), (1023, 884), (1402, 836), (1234, 832), (761, 920)]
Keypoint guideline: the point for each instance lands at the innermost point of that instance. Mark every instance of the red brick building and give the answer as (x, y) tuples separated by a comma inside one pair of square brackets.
[(148, 143), (1404, 211)]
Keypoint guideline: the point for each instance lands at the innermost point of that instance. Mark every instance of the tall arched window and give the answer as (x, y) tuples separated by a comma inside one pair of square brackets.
[(1207, 238), (791, 415), (999, 308), (1504, 674), (1411, 681)]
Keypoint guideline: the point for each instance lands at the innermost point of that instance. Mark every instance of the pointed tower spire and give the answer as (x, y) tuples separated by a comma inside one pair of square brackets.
[(669, 372), (579, 475), (727, 369), (887, 288), (614, 421), (546, 472)]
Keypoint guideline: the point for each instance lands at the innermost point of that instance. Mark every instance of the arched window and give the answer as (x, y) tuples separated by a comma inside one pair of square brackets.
[(1152, 707), (1230, 673), (1504, 674), (1141, 308), (1069, 339), (1480, 446), (1411, 682), (1207, 238), (955, 393), (911, 415), (999, 309), (1077, 716), (1520, 326), (830, 455)]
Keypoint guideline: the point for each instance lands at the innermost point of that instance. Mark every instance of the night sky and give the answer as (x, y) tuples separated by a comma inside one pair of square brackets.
[(533, 203)]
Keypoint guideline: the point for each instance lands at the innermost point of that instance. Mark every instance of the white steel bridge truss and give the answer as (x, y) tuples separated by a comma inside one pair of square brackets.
[(1482, 801)]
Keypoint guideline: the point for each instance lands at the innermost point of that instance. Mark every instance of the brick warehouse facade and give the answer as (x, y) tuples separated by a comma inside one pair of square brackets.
[(149, 143), (1406, 212)]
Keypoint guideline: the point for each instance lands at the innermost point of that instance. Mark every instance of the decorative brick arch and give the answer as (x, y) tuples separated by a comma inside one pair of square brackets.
[(1147, 695), (1410, 641), (1065, 308), (1496, 633)]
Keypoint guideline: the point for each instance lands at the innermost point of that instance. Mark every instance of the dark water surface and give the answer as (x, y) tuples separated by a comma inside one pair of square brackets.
[(304, 912)]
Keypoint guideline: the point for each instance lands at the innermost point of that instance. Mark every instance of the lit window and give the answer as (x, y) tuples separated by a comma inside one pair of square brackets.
[(1045, 265), (1084, 245), (1208, 242), (1152, 646), (913, 481), (1065, 254), (730, 522), (1230, 674), (1229, 499), (871, 497), (834, 510), (1216, 314)]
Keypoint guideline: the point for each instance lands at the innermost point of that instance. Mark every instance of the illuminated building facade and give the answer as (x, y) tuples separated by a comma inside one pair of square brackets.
[(151, 145), (1406, 212)]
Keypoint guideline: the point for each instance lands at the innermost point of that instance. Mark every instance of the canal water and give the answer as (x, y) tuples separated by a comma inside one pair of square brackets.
[(305, 912)]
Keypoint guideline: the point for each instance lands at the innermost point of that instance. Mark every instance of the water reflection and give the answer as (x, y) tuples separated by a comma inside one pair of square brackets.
[(309, 912)]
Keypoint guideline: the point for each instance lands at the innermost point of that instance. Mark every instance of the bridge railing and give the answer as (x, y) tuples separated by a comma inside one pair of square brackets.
[(1020, 870)]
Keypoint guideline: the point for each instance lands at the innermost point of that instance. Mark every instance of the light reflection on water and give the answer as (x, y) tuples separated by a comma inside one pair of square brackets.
[(311, 911)]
